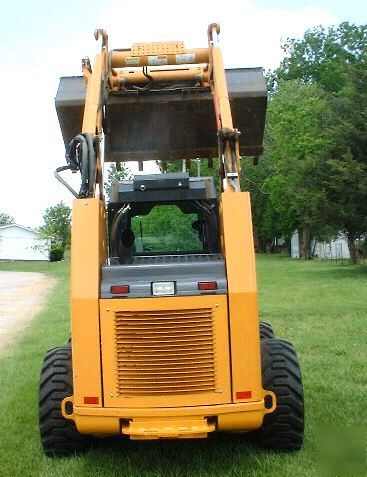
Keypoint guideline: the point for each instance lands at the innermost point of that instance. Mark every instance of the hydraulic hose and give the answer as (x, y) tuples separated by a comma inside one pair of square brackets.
[(211, 228), (115, 241), (81, 156), (61, 180)]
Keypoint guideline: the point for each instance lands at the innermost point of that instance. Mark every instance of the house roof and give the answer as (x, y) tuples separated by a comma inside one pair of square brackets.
[(2, 227)]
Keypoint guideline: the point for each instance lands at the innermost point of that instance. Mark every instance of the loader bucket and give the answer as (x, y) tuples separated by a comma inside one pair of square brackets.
[(168, 125)]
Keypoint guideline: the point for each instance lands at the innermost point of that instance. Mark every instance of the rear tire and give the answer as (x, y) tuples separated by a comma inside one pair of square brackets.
[(282, 429), (266, 331), (59, 436)]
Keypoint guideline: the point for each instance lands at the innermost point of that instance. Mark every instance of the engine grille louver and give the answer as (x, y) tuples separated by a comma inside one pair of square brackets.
[(164, 352)]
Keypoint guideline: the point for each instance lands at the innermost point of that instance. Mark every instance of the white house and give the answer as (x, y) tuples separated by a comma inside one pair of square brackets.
[(336, 249), (21, 243)]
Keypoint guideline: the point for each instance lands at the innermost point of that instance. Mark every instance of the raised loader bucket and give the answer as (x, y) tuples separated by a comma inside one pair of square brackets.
[(166, 125)]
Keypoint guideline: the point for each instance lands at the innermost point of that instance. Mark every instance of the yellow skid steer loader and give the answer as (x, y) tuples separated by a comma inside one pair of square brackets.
[(165, 336)]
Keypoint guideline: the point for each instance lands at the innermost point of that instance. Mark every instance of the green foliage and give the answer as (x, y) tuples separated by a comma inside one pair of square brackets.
[(115, 174), (346, 187), (6, 219), (56, 226), (173, 226), (167, 228), (56, 252), (316, 132), (266, 223), (298, 121), (323, 54), (291, 173)]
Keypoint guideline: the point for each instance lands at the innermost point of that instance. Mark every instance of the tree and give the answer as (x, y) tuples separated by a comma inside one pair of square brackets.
[(266, 225), (56, 228), (6, 219), (297, 136), (322, 55), (334, 59), (115, 174), (346, 185), (167, 228)]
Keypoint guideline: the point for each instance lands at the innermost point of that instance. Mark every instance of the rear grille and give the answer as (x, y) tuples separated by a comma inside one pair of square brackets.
[(164, 352)]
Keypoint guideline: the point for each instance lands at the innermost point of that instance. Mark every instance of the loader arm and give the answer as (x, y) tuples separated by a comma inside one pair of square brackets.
[(115, 73)]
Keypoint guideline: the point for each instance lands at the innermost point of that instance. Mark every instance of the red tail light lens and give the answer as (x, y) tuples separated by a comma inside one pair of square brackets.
[(91, 400), (207, 286), (120, 289), (243, 394)]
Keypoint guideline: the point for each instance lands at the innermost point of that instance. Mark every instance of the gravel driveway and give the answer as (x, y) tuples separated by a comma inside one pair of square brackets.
[(22, 296)]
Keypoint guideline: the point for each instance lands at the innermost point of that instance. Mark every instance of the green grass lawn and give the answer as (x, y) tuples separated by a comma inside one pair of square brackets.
[(321, 307)]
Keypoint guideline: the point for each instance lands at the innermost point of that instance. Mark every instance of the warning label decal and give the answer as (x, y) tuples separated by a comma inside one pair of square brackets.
[(132, 61), (157, 60), (185, 58)]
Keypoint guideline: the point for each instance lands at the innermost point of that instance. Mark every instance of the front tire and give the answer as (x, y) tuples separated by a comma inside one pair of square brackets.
[(282, 429), (59, 436)]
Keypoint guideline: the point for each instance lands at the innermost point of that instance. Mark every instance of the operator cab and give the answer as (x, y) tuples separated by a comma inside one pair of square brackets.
[(163, 225)]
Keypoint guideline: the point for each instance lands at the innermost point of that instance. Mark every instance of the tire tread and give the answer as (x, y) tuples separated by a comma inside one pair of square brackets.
[(282, 429), (266, 331), (59, 436)]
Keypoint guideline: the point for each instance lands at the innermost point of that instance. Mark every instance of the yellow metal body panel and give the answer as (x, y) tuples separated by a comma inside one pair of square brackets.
[(220, 90), (237, 240), (235, 331), (168, 429), (157, 48), (88, 252), (169, 332), (93, 97), (230, 417)]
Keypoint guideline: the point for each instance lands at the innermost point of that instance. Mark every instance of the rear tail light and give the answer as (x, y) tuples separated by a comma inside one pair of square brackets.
[(207, 286), (120, 289), (243, 394), (91, 400)]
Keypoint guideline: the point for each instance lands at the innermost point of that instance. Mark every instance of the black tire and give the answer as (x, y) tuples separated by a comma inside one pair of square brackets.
[(282, 429), (59, 436), (266, 331)]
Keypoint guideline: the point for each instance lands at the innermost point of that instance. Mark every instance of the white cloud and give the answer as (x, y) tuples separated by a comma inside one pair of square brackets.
[(31, 141)]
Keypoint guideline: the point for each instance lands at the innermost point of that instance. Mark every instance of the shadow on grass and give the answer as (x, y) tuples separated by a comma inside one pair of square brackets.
[(220, 454)]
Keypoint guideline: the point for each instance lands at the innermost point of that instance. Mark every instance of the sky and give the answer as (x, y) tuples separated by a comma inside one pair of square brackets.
[(42, 40)]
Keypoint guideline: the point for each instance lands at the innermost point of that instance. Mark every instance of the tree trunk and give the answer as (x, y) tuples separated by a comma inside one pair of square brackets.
[(305, 244), (351, 237), (256, 241), (271, 246)]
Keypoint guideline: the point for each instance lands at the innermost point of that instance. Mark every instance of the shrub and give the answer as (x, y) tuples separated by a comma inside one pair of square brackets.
[(56, 252)]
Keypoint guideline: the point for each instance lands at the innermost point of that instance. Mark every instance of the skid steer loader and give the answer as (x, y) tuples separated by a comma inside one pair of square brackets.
[(165, 337)]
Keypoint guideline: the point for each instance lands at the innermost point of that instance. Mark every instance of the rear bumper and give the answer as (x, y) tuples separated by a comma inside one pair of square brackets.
[(153, 423)]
